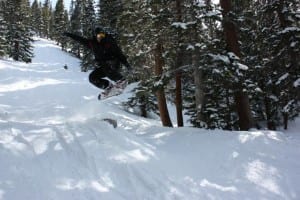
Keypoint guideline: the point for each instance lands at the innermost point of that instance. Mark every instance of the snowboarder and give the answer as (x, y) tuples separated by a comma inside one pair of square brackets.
[(108, 56)]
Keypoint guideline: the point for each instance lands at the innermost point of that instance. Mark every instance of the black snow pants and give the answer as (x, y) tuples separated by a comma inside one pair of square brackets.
[(108, 70)]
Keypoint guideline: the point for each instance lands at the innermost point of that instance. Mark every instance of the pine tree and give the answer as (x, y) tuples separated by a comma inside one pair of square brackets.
[(60, 23), (75, 26), (37, 22), (218, 109), (240, 96), (46, 15), (3, 32), (109, 12), (202, 43), (88, 24), (218, 73), (82, 22), (134, 42), (280, 64), (52, 29), (149, 36), (286, 56), (26, 48), (19, 37)]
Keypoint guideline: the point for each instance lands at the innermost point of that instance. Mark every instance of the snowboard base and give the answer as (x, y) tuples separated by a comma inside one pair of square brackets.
[(117, 89)]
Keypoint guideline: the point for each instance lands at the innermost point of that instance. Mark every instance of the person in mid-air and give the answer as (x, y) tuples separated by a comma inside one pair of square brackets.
[(108, 56)]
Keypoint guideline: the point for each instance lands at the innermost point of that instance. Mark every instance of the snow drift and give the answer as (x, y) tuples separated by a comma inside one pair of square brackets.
[(54, 145)]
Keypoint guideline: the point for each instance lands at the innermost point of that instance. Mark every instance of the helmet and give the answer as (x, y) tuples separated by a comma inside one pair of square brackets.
[(98, 30), (99, 33)]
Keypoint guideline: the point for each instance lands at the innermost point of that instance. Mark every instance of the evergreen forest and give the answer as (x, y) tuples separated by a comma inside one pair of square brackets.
[(227, 64)]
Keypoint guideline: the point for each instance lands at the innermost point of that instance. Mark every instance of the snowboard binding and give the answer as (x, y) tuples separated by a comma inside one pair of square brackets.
[(113, 90)]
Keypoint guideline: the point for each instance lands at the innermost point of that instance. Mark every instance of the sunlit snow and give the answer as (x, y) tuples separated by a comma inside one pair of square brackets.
[(55, 145)]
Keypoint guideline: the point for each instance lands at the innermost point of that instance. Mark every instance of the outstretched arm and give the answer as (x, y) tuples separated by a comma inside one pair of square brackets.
[(78, 38)]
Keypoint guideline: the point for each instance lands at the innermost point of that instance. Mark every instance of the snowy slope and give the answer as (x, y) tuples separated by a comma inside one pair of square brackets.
[(54, 145)]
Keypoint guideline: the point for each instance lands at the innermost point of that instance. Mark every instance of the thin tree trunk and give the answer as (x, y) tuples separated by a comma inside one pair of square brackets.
[(198, 73), (270, 123), (143, 107), (160, 94), (178, 100), (285, 120), (199, 92), (241, 98), (178, 93), (16, 51)]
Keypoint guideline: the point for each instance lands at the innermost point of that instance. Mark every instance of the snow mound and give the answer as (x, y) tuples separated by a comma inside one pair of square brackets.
[(55, 145)]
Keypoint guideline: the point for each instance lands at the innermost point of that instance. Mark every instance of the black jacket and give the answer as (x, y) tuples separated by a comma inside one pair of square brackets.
[(105, 50)]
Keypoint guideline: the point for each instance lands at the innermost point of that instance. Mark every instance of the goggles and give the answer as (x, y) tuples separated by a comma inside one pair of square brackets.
[(100, 36)]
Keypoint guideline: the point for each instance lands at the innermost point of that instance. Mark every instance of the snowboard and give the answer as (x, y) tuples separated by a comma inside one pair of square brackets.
[(115, 90)]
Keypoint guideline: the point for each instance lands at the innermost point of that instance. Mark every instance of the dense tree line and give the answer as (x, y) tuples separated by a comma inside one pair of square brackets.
[(232, 65), (15, 30)]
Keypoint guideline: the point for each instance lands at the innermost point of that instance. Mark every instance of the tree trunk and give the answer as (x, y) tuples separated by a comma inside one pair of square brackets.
[(178, 100), (198, 73), (243, 110), (143, 107), (283, 22), (178, 93), (199, 92), (160, 94), (241, 98), (270, 123), (285, 120), (16, 51)]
